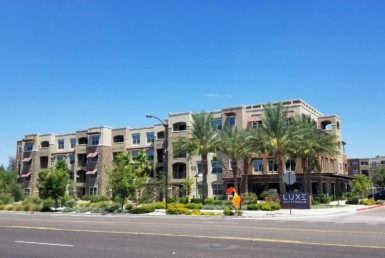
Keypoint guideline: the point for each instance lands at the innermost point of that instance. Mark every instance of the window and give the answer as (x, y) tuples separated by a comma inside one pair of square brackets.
[(382, 162), (374, 163), (327, 125), (231, 120), (60, 144), (179, 170), (272, 166), (44, 144), (180, 155), (355, 171), (355, 163), (95, 140), (160, 135), (82, 160), (118, 139), (27, 191), (134, 154), (258, 165), (256, 124), (60, 158), (95, 158), (199, 167), (290, 165), (288, 121), (217, 123), (80, 176), (150, 154), (19, 149), (136, 139), (179, 127), (73, 143), (232, 164), (72, 159), (364, 163), (28, 146), (160, 154), (94, 175), (216, 167), (200, 188), (217, 189), (44, 162), (150, 138), (28, 163), (83, 140), (93, 190), (19, 163), (71, 174)]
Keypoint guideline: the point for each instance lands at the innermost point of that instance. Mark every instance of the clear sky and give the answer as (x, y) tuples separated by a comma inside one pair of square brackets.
[(70, 65)]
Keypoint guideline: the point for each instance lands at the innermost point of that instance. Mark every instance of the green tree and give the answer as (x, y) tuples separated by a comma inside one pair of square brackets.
[(187, 185), (276, 137), (378, 177), (9, 183), (128, 175), (236, 146), (361, 184), (54, 181), (308, 144), (203, 140)]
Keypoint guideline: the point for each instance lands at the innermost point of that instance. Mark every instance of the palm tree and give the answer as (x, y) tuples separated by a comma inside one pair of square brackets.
[(203, 140), (310, 143), (276, 137), (236, 146)]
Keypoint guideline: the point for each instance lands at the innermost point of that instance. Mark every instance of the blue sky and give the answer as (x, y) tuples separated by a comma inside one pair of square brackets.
[(71, 65)]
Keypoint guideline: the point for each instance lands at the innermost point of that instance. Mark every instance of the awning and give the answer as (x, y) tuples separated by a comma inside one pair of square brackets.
[(27, 159), (254, 119), (91, 155), (91, 172), (26, 175)]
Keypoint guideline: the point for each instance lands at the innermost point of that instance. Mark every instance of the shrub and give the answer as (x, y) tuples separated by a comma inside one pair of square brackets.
[(2, 207), (317, 199), (68, 209), (209, 201), (6, 199), (206, 213), (196, 212), (379, 202), (253, 207), (179, 211), (265, 207), (47, 204), (183, 200), (326, 199), (9, 208), (212, 207), (159, 205), (176, 205), (227, 211), (70, 203), (352, 200), (17, 208), (218, 202), (80, 210), (275, 206), (368, 202), (143, 209), (193, 206), (144, 199), (170, 200), (95, 198), (195, 200), (129, 206)]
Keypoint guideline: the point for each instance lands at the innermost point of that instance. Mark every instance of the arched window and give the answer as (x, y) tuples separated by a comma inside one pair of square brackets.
[(326, 125), (118, 138)]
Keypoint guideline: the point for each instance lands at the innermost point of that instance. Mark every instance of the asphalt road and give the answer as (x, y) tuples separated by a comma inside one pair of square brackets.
[(58, 235)]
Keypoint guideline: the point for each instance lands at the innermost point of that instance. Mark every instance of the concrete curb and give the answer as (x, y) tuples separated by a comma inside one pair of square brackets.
[(370, 207)]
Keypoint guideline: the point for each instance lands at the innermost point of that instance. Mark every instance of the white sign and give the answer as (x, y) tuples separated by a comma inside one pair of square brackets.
[(289, 177)]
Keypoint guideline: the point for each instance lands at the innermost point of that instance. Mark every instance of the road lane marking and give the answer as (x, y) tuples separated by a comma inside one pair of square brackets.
[(232, 238), (38, 243)]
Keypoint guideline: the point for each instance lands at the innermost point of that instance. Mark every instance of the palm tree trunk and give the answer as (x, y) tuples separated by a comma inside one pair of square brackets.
[(282, 187), (246, 176), (205, 172), (235, 177)]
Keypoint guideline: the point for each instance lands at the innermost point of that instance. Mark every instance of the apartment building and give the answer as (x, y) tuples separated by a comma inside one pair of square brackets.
[(90, 153), (365, 166)]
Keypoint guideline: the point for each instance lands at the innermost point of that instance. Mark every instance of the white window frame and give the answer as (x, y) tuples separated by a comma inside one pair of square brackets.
[(216, 169), (135, 139), (93, 190), (260, 166), (60, 144), (95, 139), (150, 139), (27, 191), (215, 188)]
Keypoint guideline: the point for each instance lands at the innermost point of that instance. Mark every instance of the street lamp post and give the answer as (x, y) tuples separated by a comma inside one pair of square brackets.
[(165, 154)]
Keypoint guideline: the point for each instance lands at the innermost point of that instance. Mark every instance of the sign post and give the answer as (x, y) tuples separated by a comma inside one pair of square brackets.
[(289, 178)]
